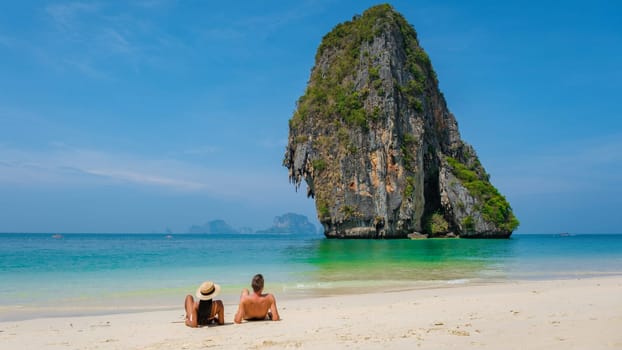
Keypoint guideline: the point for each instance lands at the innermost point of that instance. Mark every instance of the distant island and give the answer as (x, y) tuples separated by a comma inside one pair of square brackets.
[(286, 223), (214, 226), (290, 223)]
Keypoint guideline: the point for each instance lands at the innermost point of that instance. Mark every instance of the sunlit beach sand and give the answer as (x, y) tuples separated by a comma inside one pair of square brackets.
[(562, 314)]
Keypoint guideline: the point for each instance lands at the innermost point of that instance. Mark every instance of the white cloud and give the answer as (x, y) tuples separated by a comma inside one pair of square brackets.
[(201, 150), (150, 4), (63, 166), (262, 25), (67, 14), (87, 69), (115, 41), (67, 166), (93, 38), (145, 179)]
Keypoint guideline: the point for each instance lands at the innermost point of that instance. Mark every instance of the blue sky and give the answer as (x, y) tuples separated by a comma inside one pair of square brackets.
[(141, 115)]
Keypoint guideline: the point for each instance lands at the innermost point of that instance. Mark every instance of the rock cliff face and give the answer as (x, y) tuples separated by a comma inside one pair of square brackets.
[(377, 146)]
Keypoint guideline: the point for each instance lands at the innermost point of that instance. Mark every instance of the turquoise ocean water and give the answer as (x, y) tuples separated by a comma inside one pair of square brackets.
[(97, 273)]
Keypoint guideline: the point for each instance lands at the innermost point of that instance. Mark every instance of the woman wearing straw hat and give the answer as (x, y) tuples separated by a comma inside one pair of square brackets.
[(205, 310)]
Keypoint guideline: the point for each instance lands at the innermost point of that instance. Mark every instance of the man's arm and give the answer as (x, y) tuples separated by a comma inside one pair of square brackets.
[(273, 310), (239, 316)]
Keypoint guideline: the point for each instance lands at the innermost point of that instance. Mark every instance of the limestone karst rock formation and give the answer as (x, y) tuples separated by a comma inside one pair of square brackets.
[(377, 146)]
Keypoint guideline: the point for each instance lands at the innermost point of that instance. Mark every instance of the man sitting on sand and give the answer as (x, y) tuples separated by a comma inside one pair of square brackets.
[(256, 306), (205, 310)]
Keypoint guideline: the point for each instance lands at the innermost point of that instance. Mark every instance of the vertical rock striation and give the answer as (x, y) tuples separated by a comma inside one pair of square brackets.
[(377, 146)]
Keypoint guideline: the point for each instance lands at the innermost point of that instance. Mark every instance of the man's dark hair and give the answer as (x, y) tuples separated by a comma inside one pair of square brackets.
[(257, 283)]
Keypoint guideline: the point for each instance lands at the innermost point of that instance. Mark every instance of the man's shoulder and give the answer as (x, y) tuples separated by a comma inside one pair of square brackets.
[(269, 296)]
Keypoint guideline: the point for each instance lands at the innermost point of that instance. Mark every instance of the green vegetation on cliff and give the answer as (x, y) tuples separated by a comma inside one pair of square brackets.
[(495, 207), (436, 224), (331, 94)]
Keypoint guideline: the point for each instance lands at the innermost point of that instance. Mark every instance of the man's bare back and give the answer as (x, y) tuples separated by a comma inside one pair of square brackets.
[(255, 305)]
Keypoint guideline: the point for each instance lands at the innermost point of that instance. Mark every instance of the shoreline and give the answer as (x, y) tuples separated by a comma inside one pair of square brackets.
[(146, 303), (546, 314), (229, 296)]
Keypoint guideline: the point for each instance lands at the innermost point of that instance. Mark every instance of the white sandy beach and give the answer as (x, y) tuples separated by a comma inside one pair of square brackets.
[(567, 314)]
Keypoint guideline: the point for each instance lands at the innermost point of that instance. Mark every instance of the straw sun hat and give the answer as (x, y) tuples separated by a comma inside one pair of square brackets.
[(207, 290)]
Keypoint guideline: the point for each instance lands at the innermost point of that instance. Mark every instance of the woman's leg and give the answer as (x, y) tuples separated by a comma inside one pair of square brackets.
[(191, 312)]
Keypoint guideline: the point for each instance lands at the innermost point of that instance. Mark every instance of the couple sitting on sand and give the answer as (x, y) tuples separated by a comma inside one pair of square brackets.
[(255, 306)]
